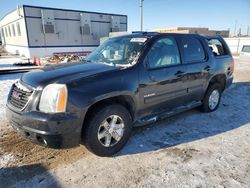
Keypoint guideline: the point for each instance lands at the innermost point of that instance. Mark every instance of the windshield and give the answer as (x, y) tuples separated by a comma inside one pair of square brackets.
[(118, 51)]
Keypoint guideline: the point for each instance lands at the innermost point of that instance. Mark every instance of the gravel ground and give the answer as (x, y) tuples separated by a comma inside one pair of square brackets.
[(191, 149)]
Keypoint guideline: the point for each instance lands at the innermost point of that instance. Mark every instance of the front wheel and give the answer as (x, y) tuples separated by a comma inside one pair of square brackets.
[(108, 130), (212, 98)]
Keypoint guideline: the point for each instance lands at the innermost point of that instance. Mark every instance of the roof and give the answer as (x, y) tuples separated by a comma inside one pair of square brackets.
[(153, 34), (72, 10)]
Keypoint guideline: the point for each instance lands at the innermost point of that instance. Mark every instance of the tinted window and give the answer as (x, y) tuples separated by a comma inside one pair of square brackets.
[(246, 49), (163, 53), (216, 47), (193, 50)]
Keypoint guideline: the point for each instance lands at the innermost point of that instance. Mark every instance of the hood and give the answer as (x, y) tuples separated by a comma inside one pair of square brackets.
[(64, 72)]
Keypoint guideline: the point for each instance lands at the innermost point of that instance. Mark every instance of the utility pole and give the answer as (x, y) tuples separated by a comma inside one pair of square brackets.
[(141, 10), (239, 32), (247, 30)]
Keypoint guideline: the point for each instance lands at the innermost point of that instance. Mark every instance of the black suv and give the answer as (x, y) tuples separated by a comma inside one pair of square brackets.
[(127, 81)]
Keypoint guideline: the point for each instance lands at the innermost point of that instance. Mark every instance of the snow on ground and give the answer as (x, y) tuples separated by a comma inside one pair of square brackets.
[(191, 149), (5, 84), (8, 61), (5, 159), (11, 62)]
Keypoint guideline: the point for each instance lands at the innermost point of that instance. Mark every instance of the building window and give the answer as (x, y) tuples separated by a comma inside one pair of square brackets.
[(13, 30), (9, 31), (6, 32), (18, 29), (2, 31)]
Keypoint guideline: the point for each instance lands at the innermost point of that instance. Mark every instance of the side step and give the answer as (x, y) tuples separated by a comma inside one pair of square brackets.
[(163, 115)]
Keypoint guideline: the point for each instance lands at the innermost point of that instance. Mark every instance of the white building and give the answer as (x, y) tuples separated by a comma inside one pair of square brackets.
[(41, 31)]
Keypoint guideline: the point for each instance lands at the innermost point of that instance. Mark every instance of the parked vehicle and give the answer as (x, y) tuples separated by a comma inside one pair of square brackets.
[(245, 53), (128, 81)]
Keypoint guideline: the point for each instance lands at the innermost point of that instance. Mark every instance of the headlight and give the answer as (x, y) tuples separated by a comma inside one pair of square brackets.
[(54, 98)]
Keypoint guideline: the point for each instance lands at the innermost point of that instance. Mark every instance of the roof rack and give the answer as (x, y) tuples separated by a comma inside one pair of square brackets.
[(145, 32)]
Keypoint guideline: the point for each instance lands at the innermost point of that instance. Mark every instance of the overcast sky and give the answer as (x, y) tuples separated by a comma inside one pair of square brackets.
[(215, 14)]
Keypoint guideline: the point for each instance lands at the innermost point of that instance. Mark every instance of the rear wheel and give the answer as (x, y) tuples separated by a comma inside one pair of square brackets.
[(212, 98), (108, 130)]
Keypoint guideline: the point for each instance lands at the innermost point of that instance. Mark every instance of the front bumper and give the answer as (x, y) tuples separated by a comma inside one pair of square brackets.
[(53, 130)]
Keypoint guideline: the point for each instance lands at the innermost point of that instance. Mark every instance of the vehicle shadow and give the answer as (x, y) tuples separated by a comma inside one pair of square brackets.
[(13, 176), (233, 112)]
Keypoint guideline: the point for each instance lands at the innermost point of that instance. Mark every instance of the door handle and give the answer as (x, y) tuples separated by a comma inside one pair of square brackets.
[(207, 68), (179, 73)]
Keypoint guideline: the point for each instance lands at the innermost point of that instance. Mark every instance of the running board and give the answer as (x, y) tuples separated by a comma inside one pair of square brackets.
[(156, 117)]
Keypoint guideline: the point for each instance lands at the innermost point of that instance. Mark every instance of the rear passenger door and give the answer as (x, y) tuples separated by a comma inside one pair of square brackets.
[(197, 66)]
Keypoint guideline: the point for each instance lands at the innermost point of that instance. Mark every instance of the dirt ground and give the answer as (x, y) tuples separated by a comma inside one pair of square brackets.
[(191, 149)]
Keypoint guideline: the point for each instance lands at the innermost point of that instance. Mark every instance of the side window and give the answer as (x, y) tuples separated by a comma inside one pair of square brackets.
[(217, 48), (164, 52), (246, 49), (192, 49)]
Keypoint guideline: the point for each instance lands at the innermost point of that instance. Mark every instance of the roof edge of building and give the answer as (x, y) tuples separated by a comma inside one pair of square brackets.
[(73, 10)]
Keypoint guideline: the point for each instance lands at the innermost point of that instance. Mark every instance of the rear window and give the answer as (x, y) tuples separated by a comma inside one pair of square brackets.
[(246, 49), (193, 50), (217, 47)]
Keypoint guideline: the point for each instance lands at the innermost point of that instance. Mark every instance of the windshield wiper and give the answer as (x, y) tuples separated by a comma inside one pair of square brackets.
[(86, 61)]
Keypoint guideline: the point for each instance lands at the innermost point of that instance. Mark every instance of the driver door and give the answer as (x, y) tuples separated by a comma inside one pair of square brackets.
[(161, 80)]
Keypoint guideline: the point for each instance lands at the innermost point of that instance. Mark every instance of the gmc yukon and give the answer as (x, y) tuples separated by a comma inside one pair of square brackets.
[(127, 81)]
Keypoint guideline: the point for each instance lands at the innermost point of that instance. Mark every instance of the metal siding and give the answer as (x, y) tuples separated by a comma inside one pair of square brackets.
[(67, 27), (9, 20), (67, 24)]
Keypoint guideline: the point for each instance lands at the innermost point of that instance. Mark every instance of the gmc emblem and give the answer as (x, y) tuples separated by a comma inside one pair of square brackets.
[(16, 95)]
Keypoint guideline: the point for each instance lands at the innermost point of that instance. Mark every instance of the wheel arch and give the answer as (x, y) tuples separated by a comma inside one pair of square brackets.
[(124, 100), (218, 78)]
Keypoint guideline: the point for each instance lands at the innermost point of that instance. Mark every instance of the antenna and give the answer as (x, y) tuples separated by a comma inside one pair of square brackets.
[(141, 11)]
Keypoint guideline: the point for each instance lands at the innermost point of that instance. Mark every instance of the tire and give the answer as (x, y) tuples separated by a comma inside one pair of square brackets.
[(97, 127), (206, 104)]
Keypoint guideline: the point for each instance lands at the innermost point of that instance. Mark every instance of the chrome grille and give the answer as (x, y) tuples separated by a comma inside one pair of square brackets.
[(19, 96)]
